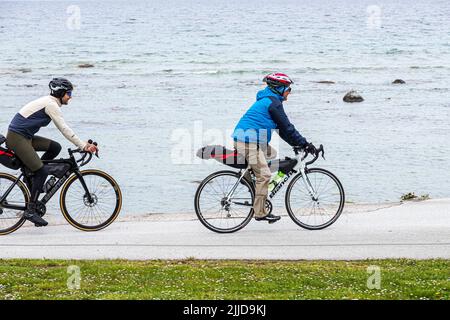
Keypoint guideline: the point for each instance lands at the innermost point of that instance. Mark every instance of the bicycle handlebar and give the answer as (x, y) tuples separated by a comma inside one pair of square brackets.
[(83, 161), (319, 151)]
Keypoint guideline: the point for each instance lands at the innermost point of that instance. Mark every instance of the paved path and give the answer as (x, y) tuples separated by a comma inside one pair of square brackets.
[(412, 230)]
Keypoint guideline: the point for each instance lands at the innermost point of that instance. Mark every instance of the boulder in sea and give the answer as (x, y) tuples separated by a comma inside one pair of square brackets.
[(398, 81), (24, 70), (326, 82), (353, 96), (85, 65)]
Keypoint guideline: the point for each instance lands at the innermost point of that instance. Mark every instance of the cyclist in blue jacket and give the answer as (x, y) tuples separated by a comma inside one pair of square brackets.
[(254, 132)]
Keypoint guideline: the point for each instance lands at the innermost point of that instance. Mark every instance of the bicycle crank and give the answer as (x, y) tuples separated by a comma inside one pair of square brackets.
[(269, 207), (41, 208)]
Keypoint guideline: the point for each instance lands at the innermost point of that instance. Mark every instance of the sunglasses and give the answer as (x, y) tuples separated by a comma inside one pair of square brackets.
[(69, 93), (289, 89)]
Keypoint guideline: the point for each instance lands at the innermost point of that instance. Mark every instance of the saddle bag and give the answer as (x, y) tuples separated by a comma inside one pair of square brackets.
[(7, 157), (223, 155)]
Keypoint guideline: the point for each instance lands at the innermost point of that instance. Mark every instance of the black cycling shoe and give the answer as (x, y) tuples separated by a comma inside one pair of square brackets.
[(31, 215), (269, 218)]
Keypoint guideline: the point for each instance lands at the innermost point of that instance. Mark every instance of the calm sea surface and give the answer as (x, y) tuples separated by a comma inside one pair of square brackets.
[(169, 75)]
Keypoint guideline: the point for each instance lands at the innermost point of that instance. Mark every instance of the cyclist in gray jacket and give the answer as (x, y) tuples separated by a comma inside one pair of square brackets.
[(21, 138)]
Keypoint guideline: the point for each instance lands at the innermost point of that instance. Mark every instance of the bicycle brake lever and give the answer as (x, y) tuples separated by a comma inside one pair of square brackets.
[(96, 152), (323, 151)]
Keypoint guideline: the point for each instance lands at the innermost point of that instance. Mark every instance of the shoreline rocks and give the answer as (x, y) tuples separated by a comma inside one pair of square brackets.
[(325, 82), (24, 70), (85, 65), (353, 96)]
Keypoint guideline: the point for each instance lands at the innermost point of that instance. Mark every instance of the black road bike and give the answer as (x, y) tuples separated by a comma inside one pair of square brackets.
[(314, 198), (90, 200)]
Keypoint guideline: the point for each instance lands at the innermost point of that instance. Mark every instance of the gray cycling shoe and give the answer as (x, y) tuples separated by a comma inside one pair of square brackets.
[(269, 218), (31, 215)]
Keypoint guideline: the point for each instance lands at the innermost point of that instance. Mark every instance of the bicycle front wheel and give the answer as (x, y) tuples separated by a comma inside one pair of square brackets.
[(93, 211), (315, 201), (220, 211)]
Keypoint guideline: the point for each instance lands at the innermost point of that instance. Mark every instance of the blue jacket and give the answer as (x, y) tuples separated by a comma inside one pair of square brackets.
[(265, 115)]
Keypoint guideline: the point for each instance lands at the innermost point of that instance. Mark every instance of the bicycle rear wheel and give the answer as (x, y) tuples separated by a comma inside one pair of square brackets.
[(321, 209), (218, 213), (94, 214), (12, 219)]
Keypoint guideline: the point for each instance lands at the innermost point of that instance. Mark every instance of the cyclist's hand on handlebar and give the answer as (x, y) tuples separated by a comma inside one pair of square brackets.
[(91, 147), (311, 149)]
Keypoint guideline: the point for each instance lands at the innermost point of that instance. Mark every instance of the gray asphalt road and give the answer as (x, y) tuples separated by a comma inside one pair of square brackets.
[(418, 230)]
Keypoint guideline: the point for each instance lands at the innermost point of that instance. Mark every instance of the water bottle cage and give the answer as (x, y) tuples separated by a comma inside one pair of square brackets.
[(49, 184)]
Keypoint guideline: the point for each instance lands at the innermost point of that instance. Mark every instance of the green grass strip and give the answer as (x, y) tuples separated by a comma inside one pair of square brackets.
[(228, 279)]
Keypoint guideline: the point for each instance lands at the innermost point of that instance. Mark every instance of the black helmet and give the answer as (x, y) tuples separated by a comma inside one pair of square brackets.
[(59, 87)]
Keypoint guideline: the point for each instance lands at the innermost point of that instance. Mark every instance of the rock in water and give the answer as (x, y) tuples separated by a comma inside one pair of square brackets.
[(353, 96), (85, 65), (326, 82), (398, 81), (24, 70)]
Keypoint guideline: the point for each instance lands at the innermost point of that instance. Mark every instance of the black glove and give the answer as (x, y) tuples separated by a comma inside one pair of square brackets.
[(311, 149)]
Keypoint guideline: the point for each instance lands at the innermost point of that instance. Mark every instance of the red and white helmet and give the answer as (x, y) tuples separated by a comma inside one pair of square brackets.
[(278, 80)]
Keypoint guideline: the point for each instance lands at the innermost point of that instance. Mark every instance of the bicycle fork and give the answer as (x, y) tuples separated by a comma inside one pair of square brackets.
[(308, 185), (89, 199)]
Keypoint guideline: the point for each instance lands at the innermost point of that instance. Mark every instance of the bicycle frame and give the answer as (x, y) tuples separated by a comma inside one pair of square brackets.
[(302, 167), (74, 168)]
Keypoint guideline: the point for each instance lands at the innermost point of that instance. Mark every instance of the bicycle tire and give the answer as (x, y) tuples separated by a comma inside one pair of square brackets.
[(70, 217), (335, 216), (27, 197), (197, 205)]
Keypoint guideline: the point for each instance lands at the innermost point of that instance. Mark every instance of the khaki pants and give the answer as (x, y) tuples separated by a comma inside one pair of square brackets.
[(257, 157)]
